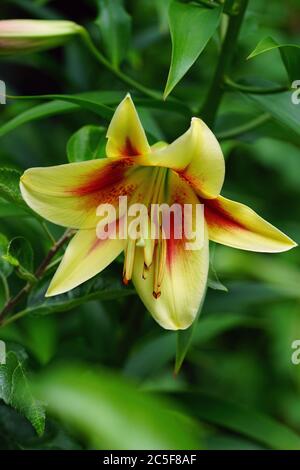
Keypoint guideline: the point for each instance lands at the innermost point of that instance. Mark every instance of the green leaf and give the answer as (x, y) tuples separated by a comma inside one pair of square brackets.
[(107, 285), (37, 112), (15, 390), (115, 26), (281, 108), (150, 124), (9, 210), (95, 101), (153, 354), (191, 28), (184, 339), (99, 330), (15, 429), (86, 144), (40, 337), (9, 186), (57, 106), (20, 255), (89, 101), (5, 268), (214, 325), (242, 420), (162, 7), (100, 406), (213, 281), (150, 356), (17, 433), (227, 441), (290, 54)]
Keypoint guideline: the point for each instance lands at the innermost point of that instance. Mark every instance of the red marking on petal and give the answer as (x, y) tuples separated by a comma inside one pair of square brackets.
[(216, 215), (103, 178), (109, 196), (173, 243), (192, 180), (129, 150), (108, 230), (95, 245)]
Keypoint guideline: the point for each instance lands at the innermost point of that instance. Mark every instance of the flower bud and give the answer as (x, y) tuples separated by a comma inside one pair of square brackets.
[(21, 36)]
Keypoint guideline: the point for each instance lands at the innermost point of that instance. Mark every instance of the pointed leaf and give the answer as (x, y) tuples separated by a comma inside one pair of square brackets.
[(105, 286), (290, 54), (213, 281), (191, 28), (153, 354)]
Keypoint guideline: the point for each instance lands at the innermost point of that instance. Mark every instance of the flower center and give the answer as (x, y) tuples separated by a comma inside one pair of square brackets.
[(154, 246)]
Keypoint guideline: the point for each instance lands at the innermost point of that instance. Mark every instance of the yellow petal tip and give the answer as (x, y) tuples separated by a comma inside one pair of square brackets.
[(289, 244), (51, 291), (195, 122)]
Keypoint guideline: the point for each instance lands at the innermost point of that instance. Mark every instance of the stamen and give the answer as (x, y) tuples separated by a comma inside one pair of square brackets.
[(159, 266), (148, 251), (151, 186), (129, 260), (153, 248), (158, 249), (159, 186), (162, 261)]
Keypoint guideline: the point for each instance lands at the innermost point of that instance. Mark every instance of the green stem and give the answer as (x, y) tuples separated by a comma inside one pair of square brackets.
[(13, 301), (232, 85), (216, 90), (118, 73), (47, 232), (15, 317), (243, 128), (5, 287)]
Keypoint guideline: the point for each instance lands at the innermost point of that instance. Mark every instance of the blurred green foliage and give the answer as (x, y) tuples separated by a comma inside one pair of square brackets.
[(238, 388)]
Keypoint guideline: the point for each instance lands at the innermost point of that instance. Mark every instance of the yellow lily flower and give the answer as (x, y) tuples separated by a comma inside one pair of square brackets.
[(170, 279)]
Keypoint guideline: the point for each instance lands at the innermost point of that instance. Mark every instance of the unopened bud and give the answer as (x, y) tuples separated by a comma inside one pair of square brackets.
[(21, 36)]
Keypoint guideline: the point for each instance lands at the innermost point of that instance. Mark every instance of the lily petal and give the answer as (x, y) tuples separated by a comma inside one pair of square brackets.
[(126, 136), (238, 226), (198, 158), (69, 195), (85, 256), (184, 281)]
